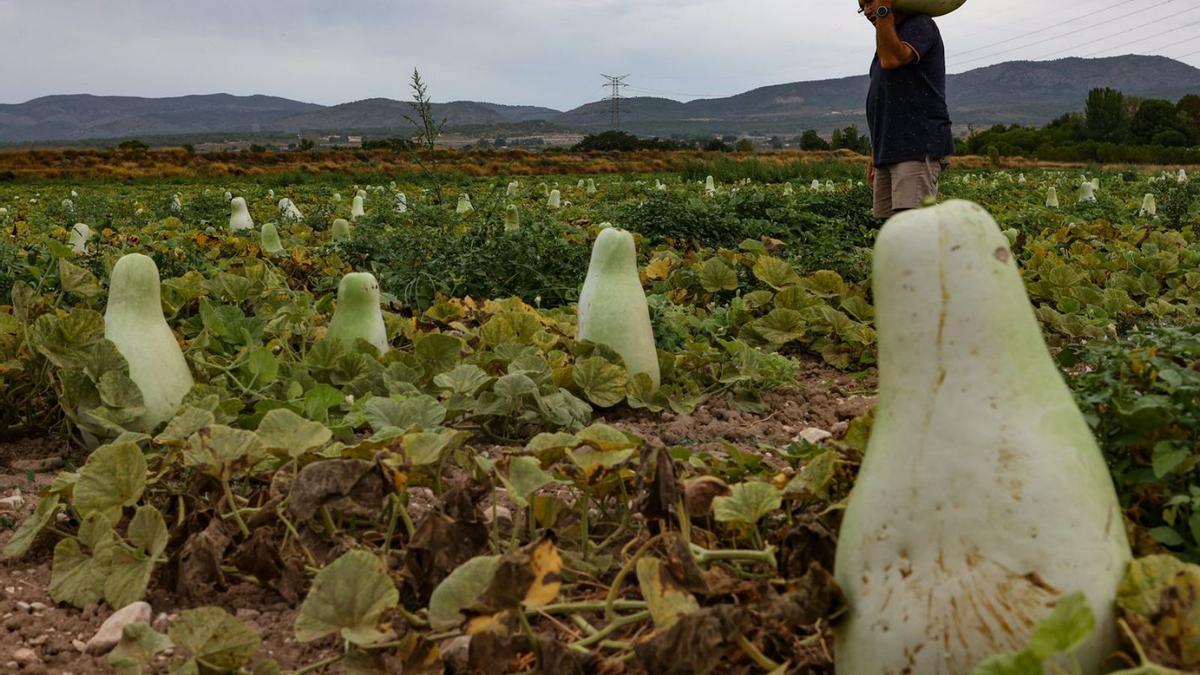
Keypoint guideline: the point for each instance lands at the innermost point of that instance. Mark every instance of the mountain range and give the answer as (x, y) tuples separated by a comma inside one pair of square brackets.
[(1017, 92)]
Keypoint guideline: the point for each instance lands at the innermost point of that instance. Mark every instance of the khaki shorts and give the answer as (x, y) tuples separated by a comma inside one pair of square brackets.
[(905, 185)]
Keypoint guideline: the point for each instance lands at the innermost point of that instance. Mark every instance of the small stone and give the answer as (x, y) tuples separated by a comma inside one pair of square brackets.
[(813, 435), (456, 651), (502, 513), (24, 606), (161, 622), (247, 614), (38, 606), (11, 590), (11, 665), (13, 503), (110, 631), (39, 640), (79, 645), (25, 656)]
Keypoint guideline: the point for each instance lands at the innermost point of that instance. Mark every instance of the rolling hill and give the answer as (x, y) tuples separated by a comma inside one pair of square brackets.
[(1018, 92)]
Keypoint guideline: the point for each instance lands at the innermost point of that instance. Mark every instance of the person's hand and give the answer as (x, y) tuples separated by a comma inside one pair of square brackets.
[(871, 174)]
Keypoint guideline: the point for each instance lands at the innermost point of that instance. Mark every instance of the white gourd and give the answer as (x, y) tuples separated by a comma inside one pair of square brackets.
[(579, 184), (1052, 198), (1149, 206), (269, 240), (710, 185), (513, 188), (356, 209), (78, 238), (239, 217), (1087, 193), (612, 305), (133, 321), (982, 498), (337, 196), (555, 200), (816, 185), (464, 205), (591, 186), (787, 189), (363, 194), (340, 229), (512, 218), (289, 212), (228, 196), (1183, 177), (271, 194), (176, 204), (1021, 179), (357, 314), (401, 202)]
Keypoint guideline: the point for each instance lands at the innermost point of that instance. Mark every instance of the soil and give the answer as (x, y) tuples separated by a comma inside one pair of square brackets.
[(822, 397)]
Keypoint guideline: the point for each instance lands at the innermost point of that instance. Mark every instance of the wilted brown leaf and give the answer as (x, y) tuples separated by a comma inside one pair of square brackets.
[(351, 487)]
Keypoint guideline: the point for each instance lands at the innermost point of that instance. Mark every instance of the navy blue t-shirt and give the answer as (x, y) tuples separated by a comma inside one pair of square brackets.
[(906, 107)]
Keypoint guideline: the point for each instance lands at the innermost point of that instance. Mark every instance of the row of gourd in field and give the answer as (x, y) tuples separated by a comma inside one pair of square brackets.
[(982, 499)]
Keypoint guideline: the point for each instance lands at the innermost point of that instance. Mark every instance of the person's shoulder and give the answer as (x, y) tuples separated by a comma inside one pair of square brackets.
[(921, 24)]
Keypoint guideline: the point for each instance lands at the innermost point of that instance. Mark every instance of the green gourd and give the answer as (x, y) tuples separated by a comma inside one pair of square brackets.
[(983, 498), (612, 306), (512, 218), (930, 7), (134, 322), (270, 240), (341, 229), (357, 315)]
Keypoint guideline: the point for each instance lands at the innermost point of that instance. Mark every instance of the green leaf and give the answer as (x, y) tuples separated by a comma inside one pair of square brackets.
[(747, 503), (281, 429), (601, 381), (781, 326), (465, 380), (131, 570), (1169, 456), (76, 576), (824, 284), (218, 449), (547, 441), (604, 437), (438, 352), (815, 477), (113, 477), (1067, 627), (186, 422), (514, 386), (716, 276), (1146, 580), (1017, 663), (22, 540), (215, 639), (419, 412), (138, 647), (460, 590), (775, 273), (422, 448), (78, 280), (347, 598), (665, 599), (525, 477)]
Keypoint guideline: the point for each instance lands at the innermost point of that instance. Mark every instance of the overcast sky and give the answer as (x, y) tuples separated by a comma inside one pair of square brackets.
[(539, 52)]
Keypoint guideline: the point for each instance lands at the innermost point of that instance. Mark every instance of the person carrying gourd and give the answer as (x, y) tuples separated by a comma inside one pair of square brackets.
[(906, 108)]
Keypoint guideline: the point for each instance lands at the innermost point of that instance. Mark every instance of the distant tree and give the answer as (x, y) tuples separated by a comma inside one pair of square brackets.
[(616, 141), (1107, 118), (1189, 109), (188, 148), (850, 139), (744, 145), (776, 143), (1155, 116), (715, 145), (305, 145), (729, 140), (811, 140), (132, 145)]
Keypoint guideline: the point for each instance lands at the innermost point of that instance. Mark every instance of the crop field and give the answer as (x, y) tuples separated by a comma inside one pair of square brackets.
[(465, 462)]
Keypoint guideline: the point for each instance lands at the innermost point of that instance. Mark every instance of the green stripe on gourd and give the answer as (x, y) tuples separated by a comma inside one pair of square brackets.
[(134, 322), (982, 498), (612, 306)]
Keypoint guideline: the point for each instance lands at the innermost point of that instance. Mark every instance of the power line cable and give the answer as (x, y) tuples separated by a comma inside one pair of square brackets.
[(1043, 30), (1123, 32), (1080, 30), (1156, 49)]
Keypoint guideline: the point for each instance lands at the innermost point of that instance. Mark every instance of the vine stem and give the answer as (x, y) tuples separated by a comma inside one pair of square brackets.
[(237, 516), (609, 629), (611, 598), (314, 667), (755, 655)]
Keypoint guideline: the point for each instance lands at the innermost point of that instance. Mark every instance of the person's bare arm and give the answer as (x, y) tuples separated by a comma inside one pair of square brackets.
[(893, 52)]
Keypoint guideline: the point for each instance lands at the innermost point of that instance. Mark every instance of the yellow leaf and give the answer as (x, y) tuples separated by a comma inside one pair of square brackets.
[(659, 268), (547, 570)]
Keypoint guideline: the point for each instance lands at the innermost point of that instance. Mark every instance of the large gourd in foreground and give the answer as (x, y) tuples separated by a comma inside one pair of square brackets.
[(134, 322), (983, 498), (612, 306), (357, 314)]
